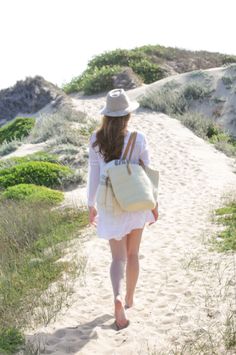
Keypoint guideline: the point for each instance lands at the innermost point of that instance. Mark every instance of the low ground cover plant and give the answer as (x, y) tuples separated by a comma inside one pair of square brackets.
[(36, 172), (32, 192), (18, 128)]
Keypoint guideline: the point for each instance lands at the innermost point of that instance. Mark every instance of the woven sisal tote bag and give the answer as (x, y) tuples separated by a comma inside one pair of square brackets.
[(134, 185)]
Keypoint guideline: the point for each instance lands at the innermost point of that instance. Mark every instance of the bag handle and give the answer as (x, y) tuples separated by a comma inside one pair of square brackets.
[(128, 146), (133, 144)]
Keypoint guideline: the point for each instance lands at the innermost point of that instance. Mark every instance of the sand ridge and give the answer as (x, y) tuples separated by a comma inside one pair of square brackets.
[(180, 291)]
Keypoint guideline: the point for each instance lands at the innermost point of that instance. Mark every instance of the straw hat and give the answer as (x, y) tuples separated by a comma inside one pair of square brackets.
[(118, 104)]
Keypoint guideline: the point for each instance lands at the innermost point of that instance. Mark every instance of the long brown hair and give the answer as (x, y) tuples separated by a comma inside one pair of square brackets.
[(110, 137)]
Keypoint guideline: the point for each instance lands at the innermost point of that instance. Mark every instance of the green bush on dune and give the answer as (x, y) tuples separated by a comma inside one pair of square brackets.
[(93, 81), (33, 192), (148, 72), (98, 76), (174, 100), (39, 173), (209, 130), (16, 129), (165, 100), (194, 91), (9, 147), (39, 156), (100, 79), (149, 62), (201, 125), (121, 57)]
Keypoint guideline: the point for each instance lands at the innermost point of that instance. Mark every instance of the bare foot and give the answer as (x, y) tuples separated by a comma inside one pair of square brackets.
[(120, 316), (128, 302)]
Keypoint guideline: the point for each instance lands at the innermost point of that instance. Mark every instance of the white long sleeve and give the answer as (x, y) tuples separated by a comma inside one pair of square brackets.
[(93, 175), (144, 153)]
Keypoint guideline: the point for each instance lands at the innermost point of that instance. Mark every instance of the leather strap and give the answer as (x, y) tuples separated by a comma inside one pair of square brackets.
[(133, 144), (128, 146)]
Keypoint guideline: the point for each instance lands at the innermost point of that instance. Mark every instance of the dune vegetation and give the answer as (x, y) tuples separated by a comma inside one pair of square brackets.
[(150, 63), (33, 238), (194, 101), (18, 128), (226, 216), (34, 228)]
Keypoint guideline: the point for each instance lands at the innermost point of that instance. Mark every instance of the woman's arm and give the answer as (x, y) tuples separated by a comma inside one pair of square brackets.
[(144, 152), (145, 157), (92, 182)]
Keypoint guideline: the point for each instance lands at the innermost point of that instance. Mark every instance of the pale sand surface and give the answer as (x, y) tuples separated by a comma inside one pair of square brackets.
[(184, 289), (25, 149)]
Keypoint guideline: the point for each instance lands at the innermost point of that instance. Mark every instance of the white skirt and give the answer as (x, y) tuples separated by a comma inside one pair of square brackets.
[(116, 227)]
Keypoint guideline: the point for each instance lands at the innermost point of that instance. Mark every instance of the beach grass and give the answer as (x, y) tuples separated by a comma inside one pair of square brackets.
[(226, 216), (33, 238), (176, 103)]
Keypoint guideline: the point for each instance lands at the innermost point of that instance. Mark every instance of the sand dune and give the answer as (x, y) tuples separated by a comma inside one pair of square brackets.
[(184, 289)]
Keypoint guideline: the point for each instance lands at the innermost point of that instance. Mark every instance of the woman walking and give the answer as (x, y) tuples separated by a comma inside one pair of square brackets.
[(123, 230)]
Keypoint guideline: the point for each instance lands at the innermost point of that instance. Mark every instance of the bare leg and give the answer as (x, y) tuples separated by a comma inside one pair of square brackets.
[(118, 250), (132, 268)]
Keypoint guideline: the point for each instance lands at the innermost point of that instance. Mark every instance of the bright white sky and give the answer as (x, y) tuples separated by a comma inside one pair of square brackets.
[(56, 38)]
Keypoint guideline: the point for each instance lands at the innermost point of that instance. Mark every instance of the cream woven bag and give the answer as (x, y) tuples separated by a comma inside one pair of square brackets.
[(134, 185), (105, 198)]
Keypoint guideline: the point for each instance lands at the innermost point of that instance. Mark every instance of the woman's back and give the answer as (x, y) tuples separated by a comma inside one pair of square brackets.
[(140, 150)]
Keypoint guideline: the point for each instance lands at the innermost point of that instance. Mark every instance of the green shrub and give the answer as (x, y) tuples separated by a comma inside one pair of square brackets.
[(195, 92), (10, 340), (196, 122), (39, 173), (227, 217), (168, 53), (228, 146), (9, 147), (16, 129), (174, 101), (33, 192), (201, 125), (120, 57), (166, 101), (148, 71), (98, 76), (39, 156), (207, 129), (227, 81), (74, 85), (198, 74), (95, 81), (229, 59), (219, 137), (213, 129)]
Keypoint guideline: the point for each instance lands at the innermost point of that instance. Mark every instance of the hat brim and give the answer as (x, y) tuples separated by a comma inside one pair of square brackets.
[(132, 107)]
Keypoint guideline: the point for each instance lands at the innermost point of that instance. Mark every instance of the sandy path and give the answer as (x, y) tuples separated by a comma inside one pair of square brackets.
[(184, 289), (26, 149)]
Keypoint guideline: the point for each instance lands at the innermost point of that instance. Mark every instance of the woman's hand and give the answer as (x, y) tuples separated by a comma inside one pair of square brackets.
[(155, 213), (92, 215)]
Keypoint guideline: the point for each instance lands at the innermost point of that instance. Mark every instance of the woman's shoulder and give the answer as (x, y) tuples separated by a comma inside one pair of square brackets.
[(92, 137), (140, 136)]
